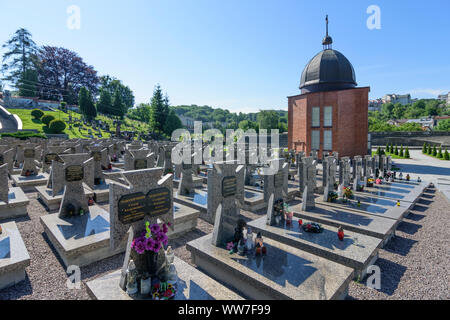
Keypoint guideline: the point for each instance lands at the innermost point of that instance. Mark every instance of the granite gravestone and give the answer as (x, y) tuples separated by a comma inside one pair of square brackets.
[(146, 198), (186, 185), (329, 175), (225, 197), (30, 164), (276, 189), (357, 170), (138, 159), (308, 201), (100, 156), (4, 188), (344, 171), (7, 157), (75, 170)]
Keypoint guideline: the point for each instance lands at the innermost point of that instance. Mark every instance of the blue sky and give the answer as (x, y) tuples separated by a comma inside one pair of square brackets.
[(244, 55)]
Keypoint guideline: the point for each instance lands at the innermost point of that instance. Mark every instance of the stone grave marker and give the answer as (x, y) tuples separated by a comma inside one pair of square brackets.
[(225, 195), (276, 191), (310, 183), (146, 198)]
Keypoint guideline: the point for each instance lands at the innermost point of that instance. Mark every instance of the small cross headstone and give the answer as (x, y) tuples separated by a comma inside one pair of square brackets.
[(4, 183)]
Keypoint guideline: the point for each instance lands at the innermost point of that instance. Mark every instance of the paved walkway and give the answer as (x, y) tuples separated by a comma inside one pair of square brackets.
[(427, 168), (6, 123)]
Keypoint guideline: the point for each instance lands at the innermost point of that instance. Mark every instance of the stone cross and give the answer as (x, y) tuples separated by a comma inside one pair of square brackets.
[(225, 196), (308, 201), (76, 169), (146, 197), (275, 187)]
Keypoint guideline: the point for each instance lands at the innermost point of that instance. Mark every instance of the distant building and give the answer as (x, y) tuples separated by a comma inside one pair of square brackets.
[(375, 105), (437, 119), (444, 98), (403, 99), (187, 122)]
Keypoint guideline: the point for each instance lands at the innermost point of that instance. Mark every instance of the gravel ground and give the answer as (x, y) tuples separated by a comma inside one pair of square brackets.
[(414, 264)]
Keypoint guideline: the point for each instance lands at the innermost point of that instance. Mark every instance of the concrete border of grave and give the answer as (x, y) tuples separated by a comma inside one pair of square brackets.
[(357, 251), (14, 257), (192, 285), (308, 277)]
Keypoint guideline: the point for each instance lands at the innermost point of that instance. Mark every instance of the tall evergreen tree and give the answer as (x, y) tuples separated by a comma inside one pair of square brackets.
[(118, 108), (19, 57), (91, 111), (158, 107), (104, 104), (27, 83), (172, 123)]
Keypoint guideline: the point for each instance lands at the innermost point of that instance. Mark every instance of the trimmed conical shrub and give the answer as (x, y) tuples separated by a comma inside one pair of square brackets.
[(434, 151), (424, 148), (446, 155), (396, 150), (440, 155), (401, 151), (407, 156)]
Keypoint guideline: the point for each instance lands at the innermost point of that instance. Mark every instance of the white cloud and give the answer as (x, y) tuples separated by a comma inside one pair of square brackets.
[(431, 92)]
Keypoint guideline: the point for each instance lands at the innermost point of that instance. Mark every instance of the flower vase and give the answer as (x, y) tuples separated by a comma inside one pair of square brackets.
[(140, 261), (152, 262)]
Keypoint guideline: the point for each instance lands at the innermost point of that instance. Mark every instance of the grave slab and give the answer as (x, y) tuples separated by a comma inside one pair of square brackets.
[(198, 200), (52, 203), (283, 273), (80, 240), (29, 183), (192, 285), (16, 206), (14, 257), (371, 225), (382, 207), (197, 181), (185, 220), (357, 251)]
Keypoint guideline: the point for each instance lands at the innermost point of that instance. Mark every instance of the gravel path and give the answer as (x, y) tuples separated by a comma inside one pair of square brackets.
[(414, 264)]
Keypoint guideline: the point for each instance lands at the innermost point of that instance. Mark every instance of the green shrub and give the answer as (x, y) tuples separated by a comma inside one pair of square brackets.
[(379, 151), (24, 135), (440, 155), (401, 152), (57, 126), (446, 155), (37, 113), (424, 148), (430, 149), (47, 119), (434, 151), (407, 156), (396, 150), (391, 150)]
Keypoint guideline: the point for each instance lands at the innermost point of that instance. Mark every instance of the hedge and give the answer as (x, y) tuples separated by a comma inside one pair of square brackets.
[(47, 119), (37, 113), (57, 126)]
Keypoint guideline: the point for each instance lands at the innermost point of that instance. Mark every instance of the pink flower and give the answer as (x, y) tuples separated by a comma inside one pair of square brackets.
[(149, 244), (230, 245), (164, 228)]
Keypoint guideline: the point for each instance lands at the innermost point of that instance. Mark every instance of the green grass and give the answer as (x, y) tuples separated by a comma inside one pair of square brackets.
[(393, 156), (430, 155), (30, 123)]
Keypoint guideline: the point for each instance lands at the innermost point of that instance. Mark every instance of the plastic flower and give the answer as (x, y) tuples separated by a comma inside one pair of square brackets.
[(149, 244), (230, 245), (164, 228), (155, 228)]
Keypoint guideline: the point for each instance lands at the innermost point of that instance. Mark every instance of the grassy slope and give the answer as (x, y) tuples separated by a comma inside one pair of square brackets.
[(30, 123)]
